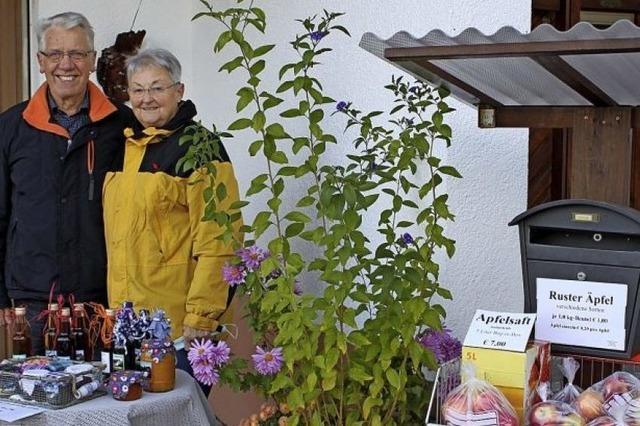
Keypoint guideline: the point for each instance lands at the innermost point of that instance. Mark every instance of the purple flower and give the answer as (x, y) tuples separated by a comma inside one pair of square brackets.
[(206, 374), (219, 354), (341, 106), (267, 362), (297, 288), (233, 274), (407, 238), (316, 36), (444, 346), (252, 257), (200, 351), (274, 274)]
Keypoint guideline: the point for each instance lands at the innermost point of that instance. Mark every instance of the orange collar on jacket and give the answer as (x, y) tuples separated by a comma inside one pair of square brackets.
[(38, 115)]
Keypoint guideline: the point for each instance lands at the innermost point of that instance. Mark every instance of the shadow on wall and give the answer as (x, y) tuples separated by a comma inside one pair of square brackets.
[(229, 406)]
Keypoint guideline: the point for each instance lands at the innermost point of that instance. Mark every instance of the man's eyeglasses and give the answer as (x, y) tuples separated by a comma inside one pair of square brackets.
[(153, 91), (75, 55)]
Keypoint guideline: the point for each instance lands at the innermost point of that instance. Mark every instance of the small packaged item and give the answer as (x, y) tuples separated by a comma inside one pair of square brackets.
[(477, 402), (549, 412), (126, 385), (570, 392), (606, 421), (631, 414)]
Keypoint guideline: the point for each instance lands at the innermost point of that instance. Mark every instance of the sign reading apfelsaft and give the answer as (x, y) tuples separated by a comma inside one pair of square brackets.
[(500, 330), (581, 313)]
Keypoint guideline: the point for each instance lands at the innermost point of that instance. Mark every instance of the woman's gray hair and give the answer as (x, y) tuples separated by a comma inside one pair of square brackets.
[(66, 20), (159, 58)]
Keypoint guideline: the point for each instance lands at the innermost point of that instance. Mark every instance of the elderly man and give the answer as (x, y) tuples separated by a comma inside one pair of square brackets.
[(54, 152)]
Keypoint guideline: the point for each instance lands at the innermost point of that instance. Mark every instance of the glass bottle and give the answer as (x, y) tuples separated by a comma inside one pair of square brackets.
[(119, 355), (80, 334), (64, 345), (21, 340), (106, 353), (51, 331)]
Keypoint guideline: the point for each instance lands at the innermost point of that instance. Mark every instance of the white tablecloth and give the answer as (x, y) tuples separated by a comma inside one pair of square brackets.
[(184, 405)]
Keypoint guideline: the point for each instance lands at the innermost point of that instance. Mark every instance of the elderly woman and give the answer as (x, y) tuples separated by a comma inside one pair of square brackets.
[(160, 252)]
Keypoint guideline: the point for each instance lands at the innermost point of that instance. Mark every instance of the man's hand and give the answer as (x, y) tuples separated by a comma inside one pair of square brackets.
[(193, 333)]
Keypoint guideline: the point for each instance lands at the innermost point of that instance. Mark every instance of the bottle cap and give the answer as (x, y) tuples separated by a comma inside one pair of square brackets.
[(21, 311), (65, 312), (110, 312), (78, 306), (53, 306)]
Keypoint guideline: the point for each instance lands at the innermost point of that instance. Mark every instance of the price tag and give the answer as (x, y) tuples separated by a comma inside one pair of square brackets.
[(500, 330)]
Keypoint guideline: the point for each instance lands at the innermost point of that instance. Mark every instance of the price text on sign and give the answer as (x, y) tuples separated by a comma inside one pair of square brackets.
[(500, 330), (581, 313)]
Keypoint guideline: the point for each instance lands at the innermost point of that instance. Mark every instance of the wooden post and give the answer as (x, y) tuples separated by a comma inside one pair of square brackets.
[(600, 155)]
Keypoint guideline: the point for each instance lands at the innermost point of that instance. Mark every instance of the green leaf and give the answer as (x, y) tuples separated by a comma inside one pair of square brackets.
[(294, 229), (276, 130), (241, 123), (296, 216), (448, 170), (257, 67), (255, 147), (262, 50), (258, 121), (279, 157), (245, 96), (232, 64), (271, 102), (237, 205), (368, 404), (290, 113), (393, 378)]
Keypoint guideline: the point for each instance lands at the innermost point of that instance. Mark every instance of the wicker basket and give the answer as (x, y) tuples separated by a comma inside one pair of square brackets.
[(48, 389)]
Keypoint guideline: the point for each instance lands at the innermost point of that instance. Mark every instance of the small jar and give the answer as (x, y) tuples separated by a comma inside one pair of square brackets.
[(126, 385), (158, 360)]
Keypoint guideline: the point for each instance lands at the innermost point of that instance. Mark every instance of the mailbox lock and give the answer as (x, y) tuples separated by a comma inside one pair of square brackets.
[(581, 276), (597, 237)]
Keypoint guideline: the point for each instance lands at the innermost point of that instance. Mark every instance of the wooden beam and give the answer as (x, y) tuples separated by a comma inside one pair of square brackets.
[(574, 79), (612, 6), (514, 50), (553, 5), (450, 78), (556, 117)]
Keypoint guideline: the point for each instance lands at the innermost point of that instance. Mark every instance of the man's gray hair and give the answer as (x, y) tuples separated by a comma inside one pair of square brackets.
[(159, 58), (66, 20)]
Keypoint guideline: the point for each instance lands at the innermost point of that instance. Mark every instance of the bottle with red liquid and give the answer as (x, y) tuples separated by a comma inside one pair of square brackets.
[(64, 344), (21, 340), (51, 331), (80, 334)]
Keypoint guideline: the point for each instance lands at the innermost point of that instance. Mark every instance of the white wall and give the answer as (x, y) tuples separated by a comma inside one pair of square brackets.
[(485, 273)]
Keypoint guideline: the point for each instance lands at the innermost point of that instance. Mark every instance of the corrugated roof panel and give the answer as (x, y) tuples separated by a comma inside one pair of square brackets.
[(521, 80)]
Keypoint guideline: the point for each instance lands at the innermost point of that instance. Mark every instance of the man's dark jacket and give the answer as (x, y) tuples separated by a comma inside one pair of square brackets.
[(51, 228)]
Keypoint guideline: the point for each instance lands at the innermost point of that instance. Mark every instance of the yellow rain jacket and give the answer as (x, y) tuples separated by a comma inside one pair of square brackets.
[(160, 252)]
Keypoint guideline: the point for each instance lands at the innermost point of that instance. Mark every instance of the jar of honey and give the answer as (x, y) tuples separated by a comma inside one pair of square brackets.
[(158, 361), (126, 385)]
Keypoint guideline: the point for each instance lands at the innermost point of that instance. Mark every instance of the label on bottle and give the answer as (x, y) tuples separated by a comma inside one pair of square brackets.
[(51, 353), (19, 356), (105, 357), (118, 362), (66, 358), (79, 354), (138, 353)]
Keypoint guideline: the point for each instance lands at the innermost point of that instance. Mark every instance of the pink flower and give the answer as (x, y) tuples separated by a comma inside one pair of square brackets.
[(219, 354), (252, 257), (206, 374), (267, 362), (200, 351), (233, 274)]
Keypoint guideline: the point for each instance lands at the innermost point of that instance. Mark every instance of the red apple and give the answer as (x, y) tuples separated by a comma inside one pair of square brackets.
[(589, 404)]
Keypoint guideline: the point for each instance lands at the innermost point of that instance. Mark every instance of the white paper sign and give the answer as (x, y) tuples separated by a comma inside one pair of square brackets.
[(11, 412), (500, 330), (581, 313)]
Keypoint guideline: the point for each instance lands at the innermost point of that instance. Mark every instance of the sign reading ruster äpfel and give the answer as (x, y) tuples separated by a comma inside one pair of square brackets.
[(499, 330), (581, 313)]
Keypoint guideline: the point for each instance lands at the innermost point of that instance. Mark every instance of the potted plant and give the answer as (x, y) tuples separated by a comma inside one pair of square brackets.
[(350, 352)]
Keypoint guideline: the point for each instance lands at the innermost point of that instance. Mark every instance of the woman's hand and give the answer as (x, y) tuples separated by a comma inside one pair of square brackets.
[(193, 333)]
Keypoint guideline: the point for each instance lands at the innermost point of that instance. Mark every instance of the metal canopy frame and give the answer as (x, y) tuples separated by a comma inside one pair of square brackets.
[(600, 152), (548, 54)]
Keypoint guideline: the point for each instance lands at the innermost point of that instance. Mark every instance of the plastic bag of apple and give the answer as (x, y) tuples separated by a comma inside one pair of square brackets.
[(477, 402)]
